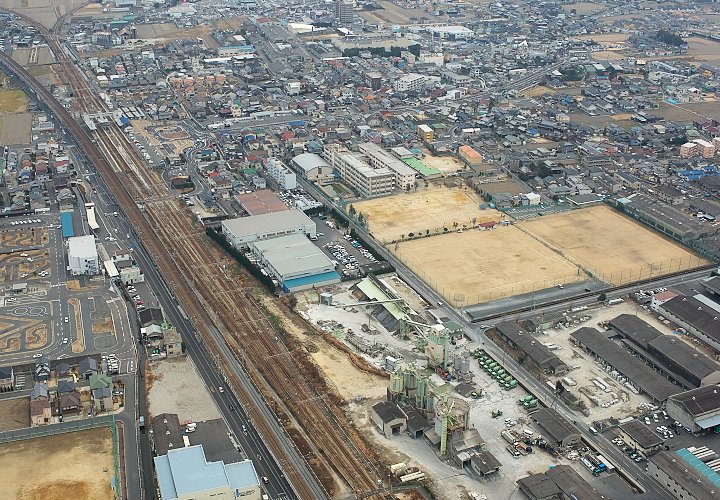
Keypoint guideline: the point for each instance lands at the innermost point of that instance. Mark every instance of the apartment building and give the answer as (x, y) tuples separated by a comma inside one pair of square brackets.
[(361, 177), (283, 176), (705, 148), (379, 158), (415, 82)]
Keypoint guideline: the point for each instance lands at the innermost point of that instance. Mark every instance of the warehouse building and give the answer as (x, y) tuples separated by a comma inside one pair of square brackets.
[(360, 176), (244, 230), (677, 360), (640, 438), (185, 473), (312, 167), (539, 354), (643, 377), (82, 255), (699, 319), (295, 262), (698, 409), (684, 475), (469, 156), (379, 158), (558, 482), (556, 428), (262, 201)]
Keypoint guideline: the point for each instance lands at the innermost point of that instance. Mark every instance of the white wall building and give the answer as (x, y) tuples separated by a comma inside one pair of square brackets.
[(379, 158), (244, 230), (415, 82), (283, 176), (82, 255), (313, 167), (364, 179)]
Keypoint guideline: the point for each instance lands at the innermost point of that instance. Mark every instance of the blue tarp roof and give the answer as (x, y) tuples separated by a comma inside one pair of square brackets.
[(66, 223), (289, 285)]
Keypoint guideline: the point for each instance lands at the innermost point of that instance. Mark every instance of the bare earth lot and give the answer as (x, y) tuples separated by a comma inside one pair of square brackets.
[(442, 163), (178, 388), (77, 465), (481, 266), (612, 246), (391, 217), (14, 414), (15, 128)]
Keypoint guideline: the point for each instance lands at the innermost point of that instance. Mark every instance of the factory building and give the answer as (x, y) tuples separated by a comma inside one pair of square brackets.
[(699, 319), (244, 230), (638, 437), (82, 255), (698, 409), (360, 176), (556, 428), (683, 474), (676, 359), (185, 474), (379, 158), (295, 262), (643, 377), (312, 167), (559, 482), (281, 174), (539, 354)]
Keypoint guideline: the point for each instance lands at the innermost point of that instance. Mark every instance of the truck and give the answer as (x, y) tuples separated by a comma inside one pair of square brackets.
[(613, 302), (508, 437), (141, 423)]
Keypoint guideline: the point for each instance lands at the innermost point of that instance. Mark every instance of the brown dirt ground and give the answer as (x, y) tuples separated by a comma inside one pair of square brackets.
[(78, 340), (10, 343), (103, 326), (13, 101), (432, 208), (73, 284), (485, 265), (614, 247), (76, 465), (36, 337), (14, 414)]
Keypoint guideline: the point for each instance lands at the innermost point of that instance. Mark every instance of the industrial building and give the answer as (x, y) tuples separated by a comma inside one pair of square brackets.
[(66, 225), (698, 409), (389, 418), (281, 174), (244, 230), (469, 156), (262, 201), (638, 437), (312, 167), (676, 359), (185, 474), (556, 428), (698, 318), (539, 354), (82, 255), (684, 475), (379, 158), (640, 375), (360, 176), (295, 262), (558, 482)]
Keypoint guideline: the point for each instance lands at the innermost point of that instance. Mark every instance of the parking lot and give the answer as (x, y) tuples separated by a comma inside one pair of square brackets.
[(347, 254)]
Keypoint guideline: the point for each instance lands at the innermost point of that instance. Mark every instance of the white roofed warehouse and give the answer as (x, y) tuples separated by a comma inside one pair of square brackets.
[(244, 230), (295, 262), (312, 167)]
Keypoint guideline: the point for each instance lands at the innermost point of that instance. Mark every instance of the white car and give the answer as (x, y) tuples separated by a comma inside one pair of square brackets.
[(38, 355), (66, 320)]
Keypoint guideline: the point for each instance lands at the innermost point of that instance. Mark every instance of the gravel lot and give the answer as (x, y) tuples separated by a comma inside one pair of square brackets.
[(178, 388)]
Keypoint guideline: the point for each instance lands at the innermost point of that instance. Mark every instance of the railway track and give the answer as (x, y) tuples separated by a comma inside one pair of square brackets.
[(185, 256)]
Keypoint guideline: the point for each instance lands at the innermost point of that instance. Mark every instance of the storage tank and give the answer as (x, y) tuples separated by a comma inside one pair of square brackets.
[(410, 381), (396, 383)]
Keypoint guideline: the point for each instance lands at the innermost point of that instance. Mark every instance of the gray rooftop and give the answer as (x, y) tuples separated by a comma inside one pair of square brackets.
[(293, 254), (539, 353), (641, 434), (696, 314), (309, 161), (635, 329), (263, 223), (654, 384), (554, 424), (700, 401)]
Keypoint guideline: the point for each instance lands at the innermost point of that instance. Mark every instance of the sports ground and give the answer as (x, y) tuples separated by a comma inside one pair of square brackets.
[(482, 266), (425, 211), (610, 245)]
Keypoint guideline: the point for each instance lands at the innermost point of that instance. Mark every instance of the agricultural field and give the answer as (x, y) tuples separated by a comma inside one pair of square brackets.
[(77, 465), (701, 49), (615, 248), (425, 211), (482, 266)]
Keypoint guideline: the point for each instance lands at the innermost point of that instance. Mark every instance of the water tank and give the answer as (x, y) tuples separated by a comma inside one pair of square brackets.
[(410, 381)]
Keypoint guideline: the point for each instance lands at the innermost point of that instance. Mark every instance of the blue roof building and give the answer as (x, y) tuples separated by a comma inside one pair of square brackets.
[(66, 222), (184, 473)]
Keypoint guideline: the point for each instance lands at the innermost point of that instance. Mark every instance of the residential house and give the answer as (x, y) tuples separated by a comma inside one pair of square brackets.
[(40, 412), (7, 378), (40, 391), (42, 369), (88, 367), (70, 403)]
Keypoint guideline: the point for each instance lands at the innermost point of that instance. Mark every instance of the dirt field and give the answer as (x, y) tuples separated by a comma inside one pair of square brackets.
[(442, 163), (178, 388), (44, 11), (393, 217), (78, 465), (612, 246), (15, 128), (584, 7), (14, 414), (391, 13), (485, 265), (703, 50), (604, 38)]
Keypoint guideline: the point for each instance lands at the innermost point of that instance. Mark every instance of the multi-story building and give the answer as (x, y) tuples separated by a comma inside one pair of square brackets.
[(361, 177), (426, 133), (689, 149), (283, 176), (706, 149), (415, 82), (82, 255), (379, 158), (343, 12)]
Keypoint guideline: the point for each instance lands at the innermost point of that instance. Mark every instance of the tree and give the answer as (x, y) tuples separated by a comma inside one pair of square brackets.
[(352, 211), (427, 232), (602, 297), (361, 219)]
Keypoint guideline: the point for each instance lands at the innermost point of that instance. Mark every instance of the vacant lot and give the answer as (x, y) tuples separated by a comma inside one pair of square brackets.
[(390, 13), (13, 101), (442, 163), (481, 266), (394, 217), (14, 414), (703, 50), (178, 388), (15, 128), (612, 246), (77, 465), (585, 7)]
